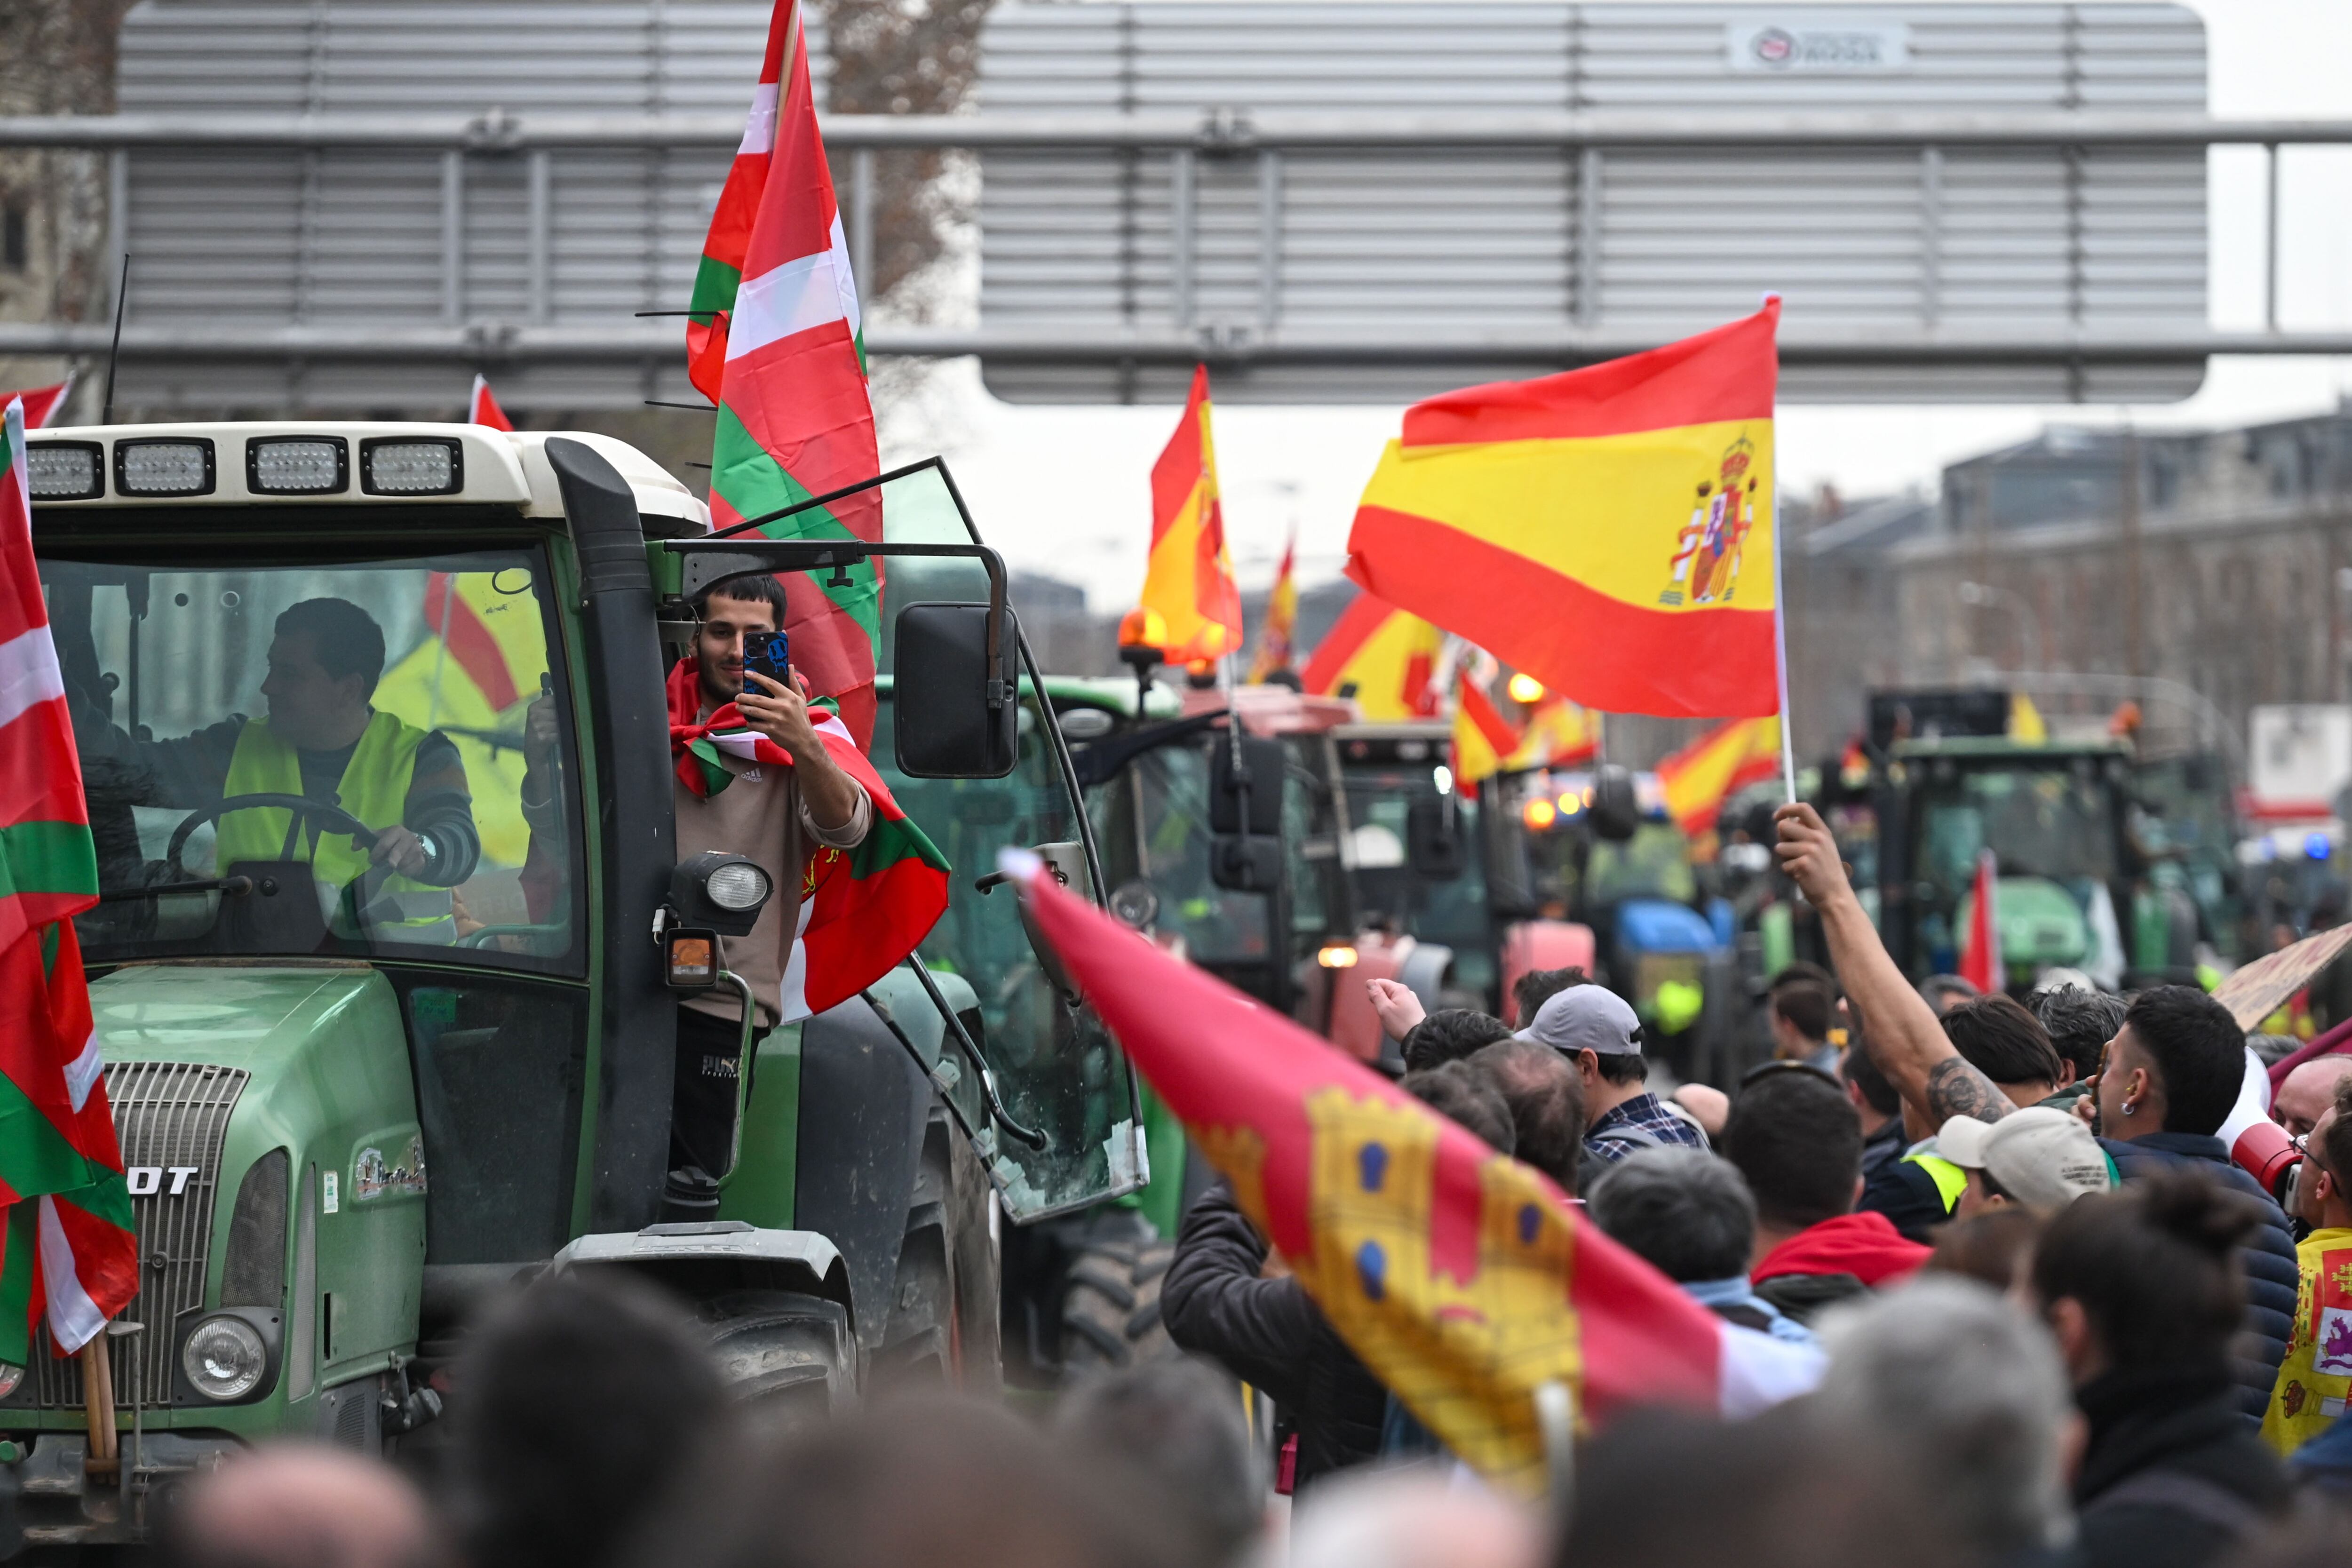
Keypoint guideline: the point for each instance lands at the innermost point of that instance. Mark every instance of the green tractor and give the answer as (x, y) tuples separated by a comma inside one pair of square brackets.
[(354, 1101)]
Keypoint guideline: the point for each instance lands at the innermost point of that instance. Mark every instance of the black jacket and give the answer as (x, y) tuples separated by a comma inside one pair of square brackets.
[(2268, 1254), (1269, 1333), (2172, 1477)]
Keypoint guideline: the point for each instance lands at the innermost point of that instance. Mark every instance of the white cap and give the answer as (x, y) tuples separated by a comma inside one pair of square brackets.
[(1586, 1018), (2040, 1156)]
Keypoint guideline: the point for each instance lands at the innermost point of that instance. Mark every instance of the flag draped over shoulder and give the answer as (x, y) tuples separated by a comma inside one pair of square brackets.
[(863, 910), (1607, 530), (70, 1249), (1378, 656), (482, 406), (1483, 738), (775, 343), (1273, 650), (1700, 777), (1463, 1280), (1190, 577)]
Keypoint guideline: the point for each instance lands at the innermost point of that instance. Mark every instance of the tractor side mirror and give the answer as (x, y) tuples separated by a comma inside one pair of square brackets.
[(957, 710), (1246, 856), (1616, 811), (1432, 840)]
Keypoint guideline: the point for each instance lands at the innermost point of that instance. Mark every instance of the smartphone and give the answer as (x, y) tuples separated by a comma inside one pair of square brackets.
[(767, 654)]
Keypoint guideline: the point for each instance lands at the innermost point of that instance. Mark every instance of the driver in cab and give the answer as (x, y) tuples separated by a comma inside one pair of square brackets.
[(322, 740)]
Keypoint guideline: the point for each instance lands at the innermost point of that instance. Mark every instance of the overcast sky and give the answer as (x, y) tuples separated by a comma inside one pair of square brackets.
[(1064, 490)]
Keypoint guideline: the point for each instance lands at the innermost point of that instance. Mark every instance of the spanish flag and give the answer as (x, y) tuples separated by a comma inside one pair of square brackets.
[(1189, 580), (1281, 619), (1559, 734), (1483, 738), (1381, 657), (1608, 529), (1463, 1278), (1700, 777)]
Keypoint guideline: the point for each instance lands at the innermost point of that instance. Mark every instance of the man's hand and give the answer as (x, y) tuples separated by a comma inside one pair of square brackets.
[(403, 848), (540, 735), (1809, 855), (780, 714), (1395, 1005)]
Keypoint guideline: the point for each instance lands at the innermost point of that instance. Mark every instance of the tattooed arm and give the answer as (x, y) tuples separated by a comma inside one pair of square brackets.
[(1904, 1037)]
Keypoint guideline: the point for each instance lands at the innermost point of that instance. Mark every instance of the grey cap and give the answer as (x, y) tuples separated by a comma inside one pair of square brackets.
[(1586, 1018)]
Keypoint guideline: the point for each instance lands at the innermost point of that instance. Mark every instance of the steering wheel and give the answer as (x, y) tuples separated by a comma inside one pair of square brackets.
[(330, 819)]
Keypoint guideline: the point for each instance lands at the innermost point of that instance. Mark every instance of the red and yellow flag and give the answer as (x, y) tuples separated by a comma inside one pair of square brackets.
[(1189, 580), (1281, 619), (1483, 738), (1559, 734), (1381, 657), (1608, 529), (1700, 777), (1463, 1279)]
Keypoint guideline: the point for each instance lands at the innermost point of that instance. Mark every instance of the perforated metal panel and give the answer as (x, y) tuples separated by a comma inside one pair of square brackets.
[(1261, 246)]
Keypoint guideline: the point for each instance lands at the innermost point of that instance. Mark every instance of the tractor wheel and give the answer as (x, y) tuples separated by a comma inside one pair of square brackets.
[(943, 1328), (1110, 1307), (787, 1358)]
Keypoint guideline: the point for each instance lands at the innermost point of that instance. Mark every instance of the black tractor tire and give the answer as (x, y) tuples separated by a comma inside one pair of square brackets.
[(787, 1358), (942, 1327), (1110, 1306)]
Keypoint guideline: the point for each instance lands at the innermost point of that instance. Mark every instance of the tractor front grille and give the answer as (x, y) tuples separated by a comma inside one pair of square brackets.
[(167, 1116)]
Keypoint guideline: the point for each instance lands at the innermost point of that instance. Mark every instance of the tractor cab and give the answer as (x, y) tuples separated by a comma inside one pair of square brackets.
[(392, 935)]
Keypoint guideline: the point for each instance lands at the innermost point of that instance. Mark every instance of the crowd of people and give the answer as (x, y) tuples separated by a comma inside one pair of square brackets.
[(2048, 1322)]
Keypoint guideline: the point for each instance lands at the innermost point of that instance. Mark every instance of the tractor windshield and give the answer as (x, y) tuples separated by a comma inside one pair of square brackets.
[(357, 756), (1394, 808), (2054, 818)]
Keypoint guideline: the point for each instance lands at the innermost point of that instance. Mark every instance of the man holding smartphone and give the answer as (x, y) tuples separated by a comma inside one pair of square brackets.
[(775, 816)]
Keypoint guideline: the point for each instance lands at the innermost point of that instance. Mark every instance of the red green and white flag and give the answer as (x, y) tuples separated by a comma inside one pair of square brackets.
[(70, 1249), (862, 910), (775, 343)]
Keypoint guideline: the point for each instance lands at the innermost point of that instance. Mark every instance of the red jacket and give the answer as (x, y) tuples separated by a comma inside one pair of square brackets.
[(1866, 1245)]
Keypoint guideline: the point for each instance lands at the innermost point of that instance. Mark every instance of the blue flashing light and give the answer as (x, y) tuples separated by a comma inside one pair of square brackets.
[(2315, 846)]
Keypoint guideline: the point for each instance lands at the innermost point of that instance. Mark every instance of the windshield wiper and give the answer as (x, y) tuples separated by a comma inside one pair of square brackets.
[(234, 887)]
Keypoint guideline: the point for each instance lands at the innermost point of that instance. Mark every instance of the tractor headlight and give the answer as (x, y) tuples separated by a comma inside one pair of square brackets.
[(397, 465), (225, 1358), (164, 467), (737, 885), (719, 892)]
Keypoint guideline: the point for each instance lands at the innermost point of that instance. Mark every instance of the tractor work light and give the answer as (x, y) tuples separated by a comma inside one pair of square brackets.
[(164, 467), (64, 471), (737, 885), (1539, 814), (402, 465), (1337, 956), (225, 1358), (309, 465), (1525, 690), (719, 892)]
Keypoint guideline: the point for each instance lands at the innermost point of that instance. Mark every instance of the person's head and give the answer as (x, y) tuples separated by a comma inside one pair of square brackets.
[(1530, 991), (1595, 1028), (2079, 1023), (2037, 1158), (2323, 1195), (1469, 1099), (2308, 1092), (1945, 992), (1547, 1102), (1801, 1019), (1995, 1246), (1410, 1519), (1178, 1427), (2145, 1277), (299, 1505), (555, 1465), (2176, 1066), (1954, 1384), (920, 1480), (730, 613), (1795, 1137), (1449, 1035), (325, 657), (1873, 1098), (1684, 1212), (2001, 1040)]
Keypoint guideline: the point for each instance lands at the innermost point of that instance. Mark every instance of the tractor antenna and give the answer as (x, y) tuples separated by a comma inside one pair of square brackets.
[(121, 294)]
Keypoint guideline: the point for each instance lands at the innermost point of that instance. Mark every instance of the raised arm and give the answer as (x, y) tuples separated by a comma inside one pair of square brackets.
[(1904, 1036)]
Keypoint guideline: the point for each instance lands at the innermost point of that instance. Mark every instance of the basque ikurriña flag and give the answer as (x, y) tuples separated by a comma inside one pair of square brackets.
[(70, 1249), (775, 342), (1465, 1279), (1609, 530), (862, 910)]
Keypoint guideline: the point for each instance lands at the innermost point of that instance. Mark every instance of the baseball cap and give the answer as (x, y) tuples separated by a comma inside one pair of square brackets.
[(1586, 1018), (2042, 1157)]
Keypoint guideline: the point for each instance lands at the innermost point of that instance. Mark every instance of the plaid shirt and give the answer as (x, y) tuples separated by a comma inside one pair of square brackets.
[(1647, 1113)]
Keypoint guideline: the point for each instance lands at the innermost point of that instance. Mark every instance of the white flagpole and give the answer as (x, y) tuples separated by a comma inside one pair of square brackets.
[(1780, 655)]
